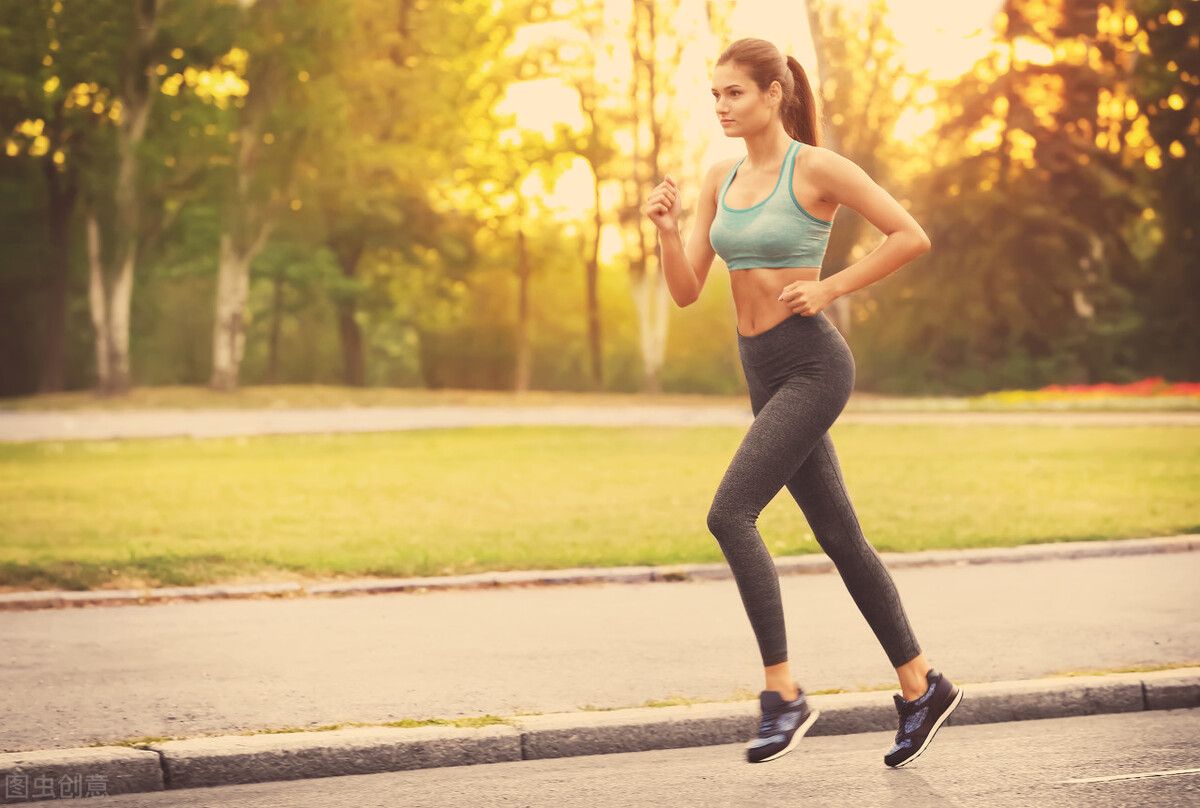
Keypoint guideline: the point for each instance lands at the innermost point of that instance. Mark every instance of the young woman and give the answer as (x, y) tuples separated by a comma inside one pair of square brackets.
[(768, 216)]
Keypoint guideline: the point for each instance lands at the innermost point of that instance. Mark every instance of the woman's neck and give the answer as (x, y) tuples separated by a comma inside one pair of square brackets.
[(767, 147)]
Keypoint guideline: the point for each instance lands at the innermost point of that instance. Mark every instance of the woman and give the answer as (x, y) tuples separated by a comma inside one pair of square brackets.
[(768, 216)]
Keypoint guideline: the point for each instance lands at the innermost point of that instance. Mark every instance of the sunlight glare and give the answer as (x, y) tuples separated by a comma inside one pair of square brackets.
[(540, 104)]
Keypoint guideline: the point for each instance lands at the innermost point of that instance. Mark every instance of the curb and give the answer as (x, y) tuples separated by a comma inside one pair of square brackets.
[(239, 759), (787, 565)]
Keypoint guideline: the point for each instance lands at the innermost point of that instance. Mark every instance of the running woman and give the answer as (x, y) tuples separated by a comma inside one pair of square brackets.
[(768, 216)]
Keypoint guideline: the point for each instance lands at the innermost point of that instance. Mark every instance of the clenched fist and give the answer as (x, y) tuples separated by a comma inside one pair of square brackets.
[(807, 297), (663, 206)]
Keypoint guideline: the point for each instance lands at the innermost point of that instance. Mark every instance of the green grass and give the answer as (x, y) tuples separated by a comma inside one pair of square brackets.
[(105, 514), (477, 722)]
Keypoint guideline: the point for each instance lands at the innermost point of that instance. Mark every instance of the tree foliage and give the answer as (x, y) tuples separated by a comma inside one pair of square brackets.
[(353, 191)]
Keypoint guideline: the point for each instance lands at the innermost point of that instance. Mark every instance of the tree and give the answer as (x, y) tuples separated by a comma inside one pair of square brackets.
[(577, 59), (1161, 53), (291, 46), (862, 91), (1032, 211), (62, 94), (651, 129), (110, 283)]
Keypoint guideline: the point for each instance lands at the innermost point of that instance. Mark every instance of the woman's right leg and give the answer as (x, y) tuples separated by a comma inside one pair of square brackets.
[(785, 430), (785, 426)]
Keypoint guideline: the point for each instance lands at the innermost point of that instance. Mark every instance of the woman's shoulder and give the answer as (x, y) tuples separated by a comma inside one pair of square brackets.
[(716, 174), (816, 156), (722, 167), (824, 168)]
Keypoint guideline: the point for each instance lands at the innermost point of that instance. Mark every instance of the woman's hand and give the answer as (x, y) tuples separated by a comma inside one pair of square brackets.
[(663, 206), (807, 297)]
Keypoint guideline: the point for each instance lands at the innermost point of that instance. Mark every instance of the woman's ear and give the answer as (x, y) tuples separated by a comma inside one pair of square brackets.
[(775, 93)]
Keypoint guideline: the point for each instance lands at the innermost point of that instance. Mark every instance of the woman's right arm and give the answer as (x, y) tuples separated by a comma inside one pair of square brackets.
[(685, 268)]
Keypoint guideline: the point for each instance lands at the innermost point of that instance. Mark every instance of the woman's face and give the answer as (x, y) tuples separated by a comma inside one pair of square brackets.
[(741, 107)]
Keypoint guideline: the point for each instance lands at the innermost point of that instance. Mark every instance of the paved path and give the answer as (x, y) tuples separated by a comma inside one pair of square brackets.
[(76, 676), (1030, 764), (103, 425)]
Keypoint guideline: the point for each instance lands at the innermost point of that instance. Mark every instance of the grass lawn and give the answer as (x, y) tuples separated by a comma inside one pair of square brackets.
[(180, 511)]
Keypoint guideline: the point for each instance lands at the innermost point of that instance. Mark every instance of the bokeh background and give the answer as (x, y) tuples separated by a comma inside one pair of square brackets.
[(445, 194)]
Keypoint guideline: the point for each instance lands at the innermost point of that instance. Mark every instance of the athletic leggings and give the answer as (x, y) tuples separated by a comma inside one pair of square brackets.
[(800, 373)]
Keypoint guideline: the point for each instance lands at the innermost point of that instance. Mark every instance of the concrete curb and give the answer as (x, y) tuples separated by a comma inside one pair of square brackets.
[(788, 565), (205, 762), (67, 773)]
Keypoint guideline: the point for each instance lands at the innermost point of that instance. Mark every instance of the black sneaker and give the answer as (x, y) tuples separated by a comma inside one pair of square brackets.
[(921, 718), (783, 725)]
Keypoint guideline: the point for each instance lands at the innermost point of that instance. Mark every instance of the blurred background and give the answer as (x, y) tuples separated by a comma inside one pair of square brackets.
[(411, 193)]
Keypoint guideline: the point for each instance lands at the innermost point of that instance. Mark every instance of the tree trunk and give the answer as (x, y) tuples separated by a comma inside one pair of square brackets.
[(246, 230), (349, 250), (595, 345), (96, 302), (276, 324), (353, 370), (62, 194), (651, 301), (521, 384), (110, 312), (647, 284), (110, 315), (229, 333)]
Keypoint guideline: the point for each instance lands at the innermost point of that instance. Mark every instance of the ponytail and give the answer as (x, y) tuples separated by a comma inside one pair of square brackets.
[(800, 110)]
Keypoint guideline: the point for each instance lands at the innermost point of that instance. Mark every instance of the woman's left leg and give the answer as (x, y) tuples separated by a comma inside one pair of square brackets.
[(820, 490)]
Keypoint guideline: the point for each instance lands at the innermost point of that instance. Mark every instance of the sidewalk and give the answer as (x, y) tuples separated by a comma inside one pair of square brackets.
[(185, 669), (106, 425)]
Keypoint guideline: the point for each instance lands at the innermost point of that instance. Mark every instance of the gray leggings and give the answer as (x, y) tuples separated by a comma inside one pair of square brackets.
[(800, 374)]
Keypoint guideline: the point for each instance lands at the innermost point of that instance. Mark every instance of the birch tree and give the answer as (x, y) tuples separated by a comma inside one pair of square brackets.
[(291, 46), (651, 298), (110, 284)]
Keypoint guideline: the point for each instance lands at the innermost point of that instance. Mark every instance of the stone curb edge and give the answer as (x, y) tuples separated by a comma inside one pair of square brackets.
[(787, 565), (239, 759)]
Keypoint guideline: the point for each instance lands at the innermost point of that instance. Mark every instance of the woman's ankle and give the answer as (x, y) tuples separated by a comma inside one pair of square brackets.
[(783, 684), (913, 676)]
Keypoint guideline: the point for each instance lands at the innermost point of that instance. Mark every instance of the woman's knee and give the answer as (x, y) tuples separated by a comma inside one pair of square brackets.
[(727, 520)]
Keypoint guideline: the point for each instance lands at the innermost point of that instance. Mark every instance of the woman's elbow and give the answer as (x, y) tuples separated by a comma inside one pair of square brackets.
[(685, 299), (923, 241)]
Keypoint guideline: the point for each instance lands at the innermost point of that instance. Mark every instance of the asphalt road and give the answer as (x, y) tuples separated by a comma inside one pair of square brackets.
[(76, 676), (1086, 762)]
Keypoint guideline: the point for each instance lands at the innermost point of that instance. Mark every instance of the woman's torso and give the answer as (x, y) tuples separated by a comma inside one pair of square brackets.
[(756, 289)]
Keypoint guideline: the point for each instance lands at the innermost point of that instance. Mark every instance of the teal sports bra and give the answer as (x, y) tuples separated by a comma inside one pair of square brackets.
[(777, 232)]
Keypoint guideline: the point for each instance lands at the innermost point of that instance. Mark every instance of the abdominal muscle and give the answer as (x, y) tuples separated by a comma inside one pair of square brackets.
[(756, 296)]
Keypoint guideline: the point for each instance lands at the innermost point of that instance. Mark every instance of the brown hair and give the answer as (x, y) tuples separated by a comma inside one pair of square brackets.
[(800, 110)]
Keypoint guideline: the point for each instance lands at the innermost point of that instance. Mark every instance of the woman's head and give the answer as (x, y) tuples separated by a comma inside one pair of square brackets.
[(763, 64)]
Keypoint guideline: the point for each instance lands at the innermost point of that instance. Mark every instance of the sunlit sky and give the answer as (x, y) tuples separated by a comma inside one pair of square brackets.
[(942, 36)]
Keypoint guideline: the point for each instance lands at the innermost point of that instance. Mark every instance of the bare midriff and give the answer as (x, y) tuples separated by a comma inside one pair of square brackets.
[(756, 296)]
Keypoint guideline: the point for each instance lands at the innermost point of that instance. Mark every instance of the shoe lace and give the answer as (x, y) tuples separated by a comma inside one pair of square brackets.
[(901, 719), (767, 725)]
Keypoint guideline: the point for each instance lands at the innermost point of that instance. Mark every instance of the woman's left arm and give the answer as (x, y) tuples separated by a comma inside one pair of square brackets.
[(842, 181)]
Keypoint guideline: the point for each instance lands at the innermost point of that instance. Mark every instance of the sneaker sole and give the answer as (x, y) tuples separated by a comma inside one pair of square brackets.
[(936, 726), (800, 730)]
